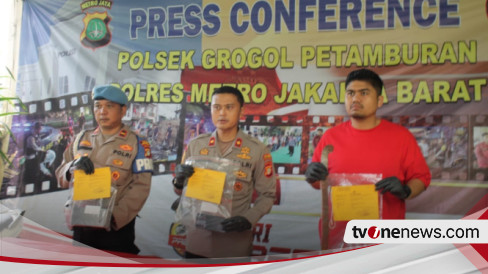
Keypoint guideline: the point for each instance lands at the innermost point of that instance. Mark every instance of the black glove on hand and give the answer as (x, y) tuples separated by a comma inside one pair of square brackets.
[(181, 173), (316, 172), (236, 223), (84, 163), (394, 186)]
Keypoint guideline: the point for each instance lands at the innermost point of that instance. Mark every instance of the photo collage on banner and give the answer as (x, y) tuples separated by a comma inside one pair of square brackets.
[(159, 124), (42, 135), (478, 148)]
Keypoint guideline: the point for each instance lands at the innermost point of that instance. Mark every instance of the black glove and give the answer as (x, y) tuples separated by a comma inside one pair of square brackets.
[(394, 186), (316, 172), (236, 223), (175, 204), (182, 172), (84, 163)]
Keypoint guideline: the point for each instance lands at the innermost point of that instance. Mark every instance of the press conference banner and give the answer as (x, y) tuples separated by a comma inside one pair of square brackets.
[(289, 59)]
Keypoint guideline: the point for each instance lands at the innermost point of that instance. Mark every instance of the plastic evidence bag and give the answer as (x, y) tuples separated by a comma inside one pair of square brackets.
[(351, 196), (197, 209), (90, 213)]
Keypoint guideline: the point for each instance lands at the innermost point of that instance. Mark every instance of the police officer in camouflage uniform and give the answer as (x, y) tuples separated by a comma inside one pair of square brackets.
[(111, 144), (256, 173)]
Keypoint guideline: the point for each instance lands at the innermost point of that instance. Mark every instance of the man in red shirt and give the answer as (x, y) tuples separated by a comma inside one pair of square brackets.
[(369, 144)]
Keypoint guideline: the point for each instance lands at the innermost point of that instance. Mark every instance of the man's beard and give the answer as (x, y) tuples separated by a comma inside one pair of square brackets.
[(358, 116)]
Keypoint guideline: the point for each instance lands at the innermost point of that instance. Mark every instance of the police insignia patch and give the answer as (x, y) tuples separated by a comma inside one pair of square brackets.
[(244, 156), (118, 162), (115, 175), (240, 174), (268, 170), (126, 147), (238, 142), (147, 148), (85, 143), (267, 157), (96, 33), (238, 186), (211, 142), (123, 133)]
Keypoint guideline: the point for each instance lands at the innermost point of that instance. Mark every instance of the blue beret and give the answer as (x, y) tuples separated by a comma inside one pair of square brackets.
[(110, 93)]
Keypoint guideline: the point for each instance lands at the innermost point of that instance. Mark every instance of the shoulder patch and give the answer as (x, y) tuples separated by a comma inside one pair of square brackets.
[(81, 144), (268, 169), (211, 142), (143, 161), (123, 133)]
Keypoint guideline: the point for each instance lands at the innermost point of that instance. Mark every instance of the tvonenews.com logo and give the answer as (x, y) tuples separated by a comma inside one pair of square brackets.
[(416, 231), (373, 232)]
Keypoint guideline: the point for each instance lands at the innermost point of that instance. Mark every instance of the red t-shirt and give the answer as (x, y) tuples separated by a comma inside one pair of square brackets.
[(388, 149)]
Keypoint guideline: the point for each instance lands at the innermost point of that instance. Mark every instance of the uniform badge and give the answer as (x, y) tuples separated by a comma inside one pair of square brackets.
[(147, 148), (115, 175), (241, 174), (244, 156), (268, 169), (238, 186), (211, 142), (204, 151), (126, 147), (118, 162), (85, 143), (123, 133), (238, 142), (267, 157)]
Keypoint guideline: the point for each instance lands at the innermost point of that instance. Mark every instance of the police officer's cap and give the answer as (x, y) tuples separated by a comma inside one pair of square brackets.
[(111, 93)]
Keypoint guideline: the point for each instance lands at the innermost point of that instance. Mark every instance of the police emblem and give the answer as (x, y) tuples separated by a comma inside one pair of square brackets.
[(268, 169), (118, 162), (238, 186), (115, 175), (211, 142), (240, 174), (126, 147), (244, 156), (123, 133), (96, 33)]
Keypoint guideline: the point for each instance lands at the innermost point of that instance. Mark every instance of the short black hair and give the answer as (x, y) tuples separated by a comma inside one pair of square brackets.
[(368, 76), (230, 90)]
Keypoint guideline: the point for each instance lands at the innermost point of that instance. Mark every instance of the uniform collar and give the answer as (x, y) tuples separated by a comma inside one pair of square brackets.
[(237, 141)]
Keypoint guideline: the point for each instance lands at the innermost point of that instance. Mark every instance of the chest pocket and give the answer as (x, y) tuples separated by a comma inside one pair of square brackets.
[(243, 185), (120, 168)]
